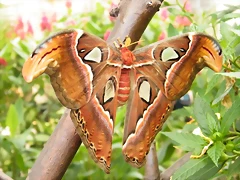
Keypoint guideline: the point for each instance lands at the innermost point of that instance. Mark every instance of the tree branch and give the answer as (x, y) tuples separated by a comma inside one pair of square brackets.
[(151, 167), (58, 152), (3, 176), (62, 145), (133, 19)]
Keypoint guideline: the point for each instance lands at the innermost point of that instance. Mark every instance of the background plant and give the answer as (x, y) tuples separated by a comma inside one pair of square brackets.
[(29, 112)]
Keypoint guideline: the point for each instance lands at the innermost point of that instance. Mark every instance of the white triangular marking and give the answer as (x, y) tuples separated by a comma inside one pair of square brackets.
[(144, 91), (109, 91), (169, 54), (94, 55)]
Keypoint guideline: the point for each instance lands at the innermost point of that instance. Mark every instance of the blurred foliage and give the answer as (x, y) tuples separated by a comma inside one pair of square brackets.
[(29, 112)]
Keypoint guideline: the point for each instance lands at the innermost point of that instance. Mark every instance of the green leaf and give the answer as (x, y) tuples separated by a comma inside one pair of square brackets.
[(117, 145), (15, 80), (41, 137), (230, 116), (215, 151), (219, 98), (201, 110), (231, 74), (19, 160), (234, 167), (19, 108), (18, 49), (225, 32), (172, 31), (213, 82), (188, 141), (214, 18), (19, 141), (165, 151), (197, 169), (230, 16), (212, 124), (12, 119), (135, 175), (121, 111), (6, 144)]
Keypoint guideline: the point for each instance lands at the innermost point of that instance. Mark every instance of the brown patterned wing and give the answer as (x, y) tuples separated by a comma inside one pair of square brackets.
[(147, 110), (95, 120), (172, 64), (163, 72), (72, 59), (84, 72), (94, 123)]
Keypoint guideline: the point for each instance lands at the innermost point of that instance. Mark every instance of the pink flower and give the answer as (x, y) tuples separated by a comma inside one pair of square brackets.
[(3, 62), (106, 35), (162, 36), (187, 6), (164, 14), (20, 24), (29, 28), (45, 24), (19, 28), (22, 29), (68, 4), (182, 21)]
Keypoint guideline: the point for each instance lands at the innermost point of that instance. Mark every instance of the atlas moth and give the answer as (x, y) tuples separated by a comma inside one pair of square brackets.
[(92, 79)]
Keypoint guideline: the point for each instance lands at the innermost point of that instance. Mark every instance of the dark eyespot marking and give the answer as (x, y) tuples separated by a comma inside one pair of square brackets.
[(82, 50), (182, 50), (163, 116), (91, 145), (168, 107)]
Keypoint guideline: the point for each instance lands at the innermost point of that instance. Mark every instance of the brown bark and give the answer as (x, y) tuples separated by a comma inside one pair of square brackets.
[(61, 147), (151, 167), (58, 152), (3, 176), (133, 19)]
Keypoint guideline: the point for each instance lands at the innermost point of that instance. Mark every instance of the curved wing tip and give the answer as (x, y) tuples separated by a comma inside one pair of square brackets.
[(27, 78)]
